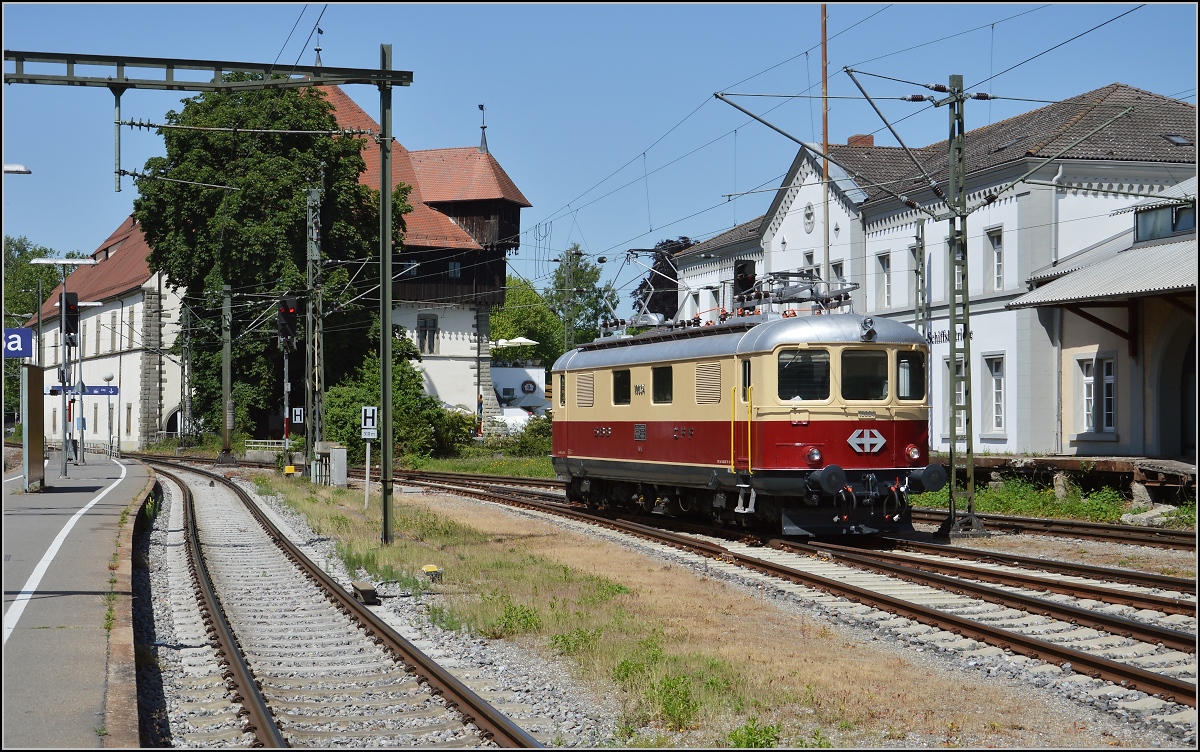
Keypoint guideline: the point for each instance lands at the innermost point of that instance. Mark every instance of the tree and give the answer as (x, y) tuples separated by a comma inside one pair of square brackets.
[(526, 314), (659, 289), (250, 233), (578, 298), (421, 427), (21, 300)]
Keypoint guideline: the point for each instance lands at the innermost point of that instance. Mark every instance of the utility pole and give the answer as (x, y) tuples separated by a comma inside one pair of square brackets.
[(314, 352), (186, 427), (226, 456), (959, 311), (825, 138), (386, 447)]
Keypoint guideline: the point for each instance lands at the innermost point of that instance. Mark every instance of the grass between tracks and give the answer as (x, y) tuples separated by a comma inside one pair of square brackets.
[(688, 660), (1019, 497)]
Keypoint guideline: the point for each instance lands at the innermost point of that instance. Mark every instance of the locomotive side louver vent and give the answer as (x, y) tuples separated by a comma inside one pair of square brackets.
[(708, 383), (585, 390)]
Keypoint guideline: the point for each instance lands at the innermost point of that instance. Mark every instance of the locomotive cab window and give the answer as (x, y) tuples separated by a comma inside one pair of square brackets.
[(910, 375), (662, 385), (803, 374), (621, 389), (864, 375), (562, 389)]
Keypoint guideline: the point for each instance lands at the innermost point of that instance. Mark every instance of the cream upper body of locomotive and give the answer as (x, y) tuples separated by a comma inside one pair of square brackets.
[(738, 338)]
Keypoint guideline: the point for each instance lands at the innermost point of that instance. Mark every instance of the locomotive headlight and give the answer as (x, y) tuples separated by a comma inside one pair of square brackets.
[(814, 455), (913, 452)]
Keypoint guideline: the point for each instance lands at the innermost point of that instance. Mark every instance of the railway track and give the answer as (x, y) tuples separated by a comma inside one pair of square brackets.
[(1082, 626), (1129, 534), (1011, 525), (297, 661)]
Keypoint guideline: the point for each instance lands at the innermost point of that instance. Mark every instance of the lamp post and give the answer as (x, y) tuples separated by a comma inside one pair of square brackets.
[(66, 349), (108, 377)]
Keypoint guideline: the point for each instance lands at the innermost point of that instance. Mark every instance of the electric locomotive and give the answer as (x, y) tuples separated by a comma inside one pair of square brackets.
[(800, 425)]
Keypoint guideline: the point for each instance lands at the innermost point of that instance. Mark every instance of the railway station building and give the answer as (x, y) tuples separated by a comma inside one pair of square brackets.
[(128, 320), (1078, 202)]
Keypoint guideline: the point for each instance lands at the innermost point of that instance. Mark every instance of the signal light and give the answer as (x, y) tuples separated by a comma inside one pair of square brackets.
[(287, 318), (69, 306)]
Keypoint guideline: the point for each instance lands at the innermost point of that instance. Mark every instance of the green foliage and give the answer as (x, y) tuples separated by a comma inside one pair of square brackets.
[(533, 440), (753, 736), (514, 619), (673, 697), (576, 295), (526, 314), (252, 236), (576, 641), (816, 740), (420, 426), (1020, 497)]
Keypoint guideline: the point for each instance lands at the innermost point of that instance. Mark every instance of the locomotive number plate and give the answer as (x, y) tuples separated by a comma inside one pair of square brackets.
[(639, 431)]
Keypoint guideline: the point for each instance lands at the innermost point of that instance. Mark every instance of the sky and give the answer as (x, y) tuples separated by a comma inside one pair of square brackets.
[(602, 114)]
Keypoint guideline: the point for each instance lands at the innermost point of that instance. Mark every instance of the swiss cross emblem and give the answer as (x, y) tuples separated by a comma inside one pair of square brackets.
[(866, 441)]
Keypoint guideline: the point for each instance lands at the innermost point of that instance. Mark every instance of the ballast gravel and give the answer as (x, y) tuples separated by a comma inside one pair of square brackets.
[(566, 713)]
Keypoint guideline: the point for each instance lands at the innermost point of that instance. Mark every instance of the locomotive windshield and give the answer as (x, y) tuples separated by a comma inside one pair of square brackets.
[(803, 375), (910, 367), (864, 375)]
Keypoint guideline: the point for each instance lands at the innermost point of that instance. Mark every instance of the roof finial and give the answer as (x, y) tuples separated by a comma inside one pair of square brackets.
[(317, 49), (483, 129)]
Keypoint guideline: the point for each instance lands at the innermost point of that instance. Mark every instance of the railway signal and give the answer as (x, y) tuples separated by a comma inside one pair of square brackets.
[(287, 319), (70, 308)]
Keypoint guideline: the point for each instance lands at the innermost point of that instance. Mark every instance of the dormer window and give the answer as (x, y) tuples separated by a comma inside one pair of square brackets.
[(1165, 222)]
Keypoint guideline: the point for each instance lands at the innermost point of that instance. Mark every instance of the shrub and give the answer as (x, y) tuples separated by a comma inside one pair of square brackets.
[(673, 697), (754, 736), (575, 641)]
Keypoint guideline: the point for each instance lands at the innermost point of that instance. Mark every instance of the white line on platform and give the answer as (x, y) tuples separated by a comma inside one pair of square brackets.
[(18, 606)]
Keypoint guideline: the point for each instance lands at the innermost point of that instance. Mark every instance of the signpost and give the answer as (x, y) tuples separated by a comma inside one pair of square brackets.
[(370, 430)]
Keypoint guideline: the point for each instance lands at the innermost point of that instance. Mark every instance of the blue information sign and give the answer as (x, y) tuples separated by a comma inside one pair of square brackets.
[(18, 343)]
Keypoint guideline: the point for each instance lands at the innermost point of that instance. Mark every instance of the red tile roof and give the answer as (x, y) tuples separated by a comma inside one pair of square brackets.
[(434, 174), (463, 174), (122, 268)]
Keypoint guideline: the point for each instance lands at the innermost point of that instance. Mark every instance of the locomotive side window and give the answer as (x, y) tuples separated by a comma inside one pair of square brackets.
[(562, 389), (804, 374), (864, 375), (621, 388), (910, 372), (745, 379), (663, 387)]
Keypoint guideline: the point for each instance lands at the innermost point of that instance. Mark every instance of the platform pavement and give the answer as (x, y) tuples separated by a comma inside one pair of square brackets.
[(69, 681)]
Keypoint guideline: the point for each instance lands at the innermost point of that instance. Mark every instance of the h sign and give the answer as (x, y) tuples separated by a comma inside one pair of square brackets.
[(370, 417), (18, 343), (298, 415)]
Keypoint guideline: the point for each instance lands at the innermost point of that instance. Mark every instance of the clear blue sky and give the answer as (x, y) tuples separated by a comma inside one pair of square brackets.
[(603, 115)]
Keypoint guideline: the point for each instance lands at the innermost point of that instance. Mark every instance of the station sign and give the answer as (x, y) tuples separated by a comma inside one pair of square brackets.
[(18, 343)]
